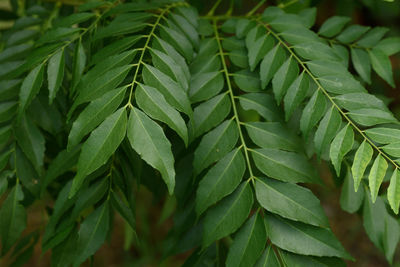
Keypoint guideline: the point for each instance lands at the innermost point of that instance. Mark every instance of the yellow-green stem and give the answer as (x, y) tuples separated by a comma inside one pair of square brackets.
[(232, 97)]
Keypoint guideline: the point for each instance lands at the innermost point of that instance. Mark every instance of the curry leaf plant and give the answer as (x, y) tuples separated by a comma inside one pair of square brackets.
[(230, 115)]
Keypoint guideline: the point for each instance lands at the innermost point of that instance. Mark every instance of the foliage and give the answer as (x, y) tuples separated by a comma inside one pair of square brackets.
[(229, 114)]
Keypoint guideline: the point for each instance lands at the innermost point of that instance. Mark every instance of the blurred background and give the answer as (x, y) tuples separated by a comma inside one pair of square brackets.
[(154, 213)]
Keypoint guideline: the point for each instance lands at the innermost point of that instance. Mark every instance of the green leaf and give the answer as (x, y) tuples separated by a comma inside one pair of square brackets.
[(21, 37), (270, 64), (354, 101), (300, 35), (190, 13), (99, 147), (30, 88), (391, 237), (247, 81), (271, 13), (215, 145), (361, 63), (209, 46), (327, 130), (188, 29), (302, 238), (372, 37), (383, 135), (361, 159), (9, 89), (8, 110), (166, 64), (210, 113), (204, 64), (8, 69), (31, 141), (268, 259), (73, 19), (392, 149), (283, 78), (25, 171), (340, 146), (389, 46), (207, 59), (253, 35), (352, 33), (153, 103), (55, 73), (239, 58), (351, 201), (308, 15), (4, 158), (333, 26), (3, 183), (272, 135), (148, 140), (174, 94), (119, 27), (5, 133), (327, 68), (228, 215), (290, 201), (89, 196), (203, 86), (114, 48), (178, 41), (342, 52), (79, 63), (58, 238), (315, 50), (123, 208), (243, 26), (382, 66), (64, 161), (12, 218), (169, 50), (45, 116), (105, 83), (263, 104), (313, 112), (296, 260), (105, 65), (341, 83), (286, 22), (393, 191), (248, 243), (296, 94), (220, 180), (258, 49), (92, 233), (57, 34), (284, 166), (374, 220), (376, 175), (94, 114), (15, 52), (371, 116)]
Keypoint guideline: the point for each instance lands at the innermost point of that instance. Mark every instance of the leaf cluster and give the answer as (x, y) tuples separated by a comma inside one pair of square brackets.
[(230, 115)]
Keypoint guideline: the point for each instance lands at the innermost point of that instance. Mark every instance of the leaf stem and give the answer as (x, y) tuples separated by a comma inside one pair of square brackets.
[(146, 46), (254, 9), (232, 97), (212, 10)]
